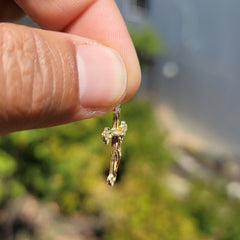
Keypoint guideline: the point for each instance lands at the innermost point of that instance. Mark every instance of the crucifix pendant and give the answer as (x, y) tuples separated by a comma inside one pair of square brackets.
[(115, 137)]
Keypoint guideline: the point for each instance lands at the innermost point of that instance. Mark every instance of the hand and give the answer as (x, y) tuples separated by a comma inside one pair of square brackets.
[(81, 65)]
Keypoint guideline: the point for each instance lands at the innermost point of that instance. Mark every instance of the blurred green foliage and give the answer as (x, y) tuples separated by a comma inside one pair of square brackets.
[(69, 164), (147, 41)]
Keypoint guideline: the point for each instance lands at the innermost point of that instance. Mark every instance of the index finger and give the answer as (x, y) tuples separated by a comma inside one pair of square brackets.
[(99, 20)]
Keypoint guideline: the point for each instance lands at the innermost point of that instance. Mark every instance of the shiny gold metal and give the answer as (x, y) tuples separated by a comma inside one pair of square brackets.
[(115, 136)]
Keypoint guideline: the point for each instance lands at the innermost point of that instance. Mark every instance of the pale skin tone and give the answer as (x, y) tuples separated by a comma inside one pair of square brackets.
[(82, 65)]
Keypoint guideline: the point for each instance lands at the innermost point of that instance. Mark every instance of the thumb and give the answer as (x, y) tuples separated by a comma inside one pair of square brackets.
[(50, 78)]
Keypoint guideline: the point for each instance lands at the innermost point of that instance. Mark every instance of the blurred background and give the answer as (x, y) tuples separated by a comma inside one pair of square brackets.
[(179, 177)]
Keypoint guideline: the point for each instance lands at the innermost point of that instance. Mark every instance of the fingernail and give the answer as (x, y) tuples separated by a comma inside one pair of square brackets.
[(102, 76)]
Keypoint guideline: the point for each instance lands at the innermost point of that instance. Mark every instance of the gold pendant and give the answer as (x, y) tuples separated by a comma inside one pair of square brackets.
[(115, 137)]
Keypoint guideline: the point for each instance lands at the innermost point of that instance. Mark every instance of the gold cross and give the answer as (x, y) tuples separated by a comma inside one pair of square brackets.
[(115, 136)]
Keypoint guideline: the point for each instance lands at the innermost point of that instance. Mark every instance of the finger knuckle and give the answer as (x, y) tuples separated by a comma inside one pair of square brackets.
[(35, 78), (26, 69), (16, 67)]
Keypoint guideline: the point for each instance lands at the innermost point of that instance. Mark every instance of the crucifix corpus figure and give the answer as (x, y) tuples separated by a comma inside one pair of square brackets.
[(114, 136)]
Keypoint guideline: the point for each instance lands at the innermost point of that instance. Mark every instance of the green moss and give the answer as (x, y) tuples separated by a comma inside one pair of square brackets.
[(147, 41)]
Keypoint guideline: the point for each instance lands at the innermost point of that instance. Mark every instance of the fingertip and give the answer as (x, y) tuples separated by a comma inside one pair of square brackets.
[(102, 76), (134, 79)]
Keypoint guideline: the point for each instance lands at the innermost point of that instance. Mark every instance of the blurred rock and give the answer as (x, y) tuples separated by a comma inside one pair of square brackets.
[(233, 190), (178, 185), (28, 219), (229, 168)]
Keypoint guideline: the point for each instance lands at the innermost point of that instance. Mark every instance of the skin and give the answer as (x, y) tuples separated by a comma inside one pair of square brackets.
[(42, 76)]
